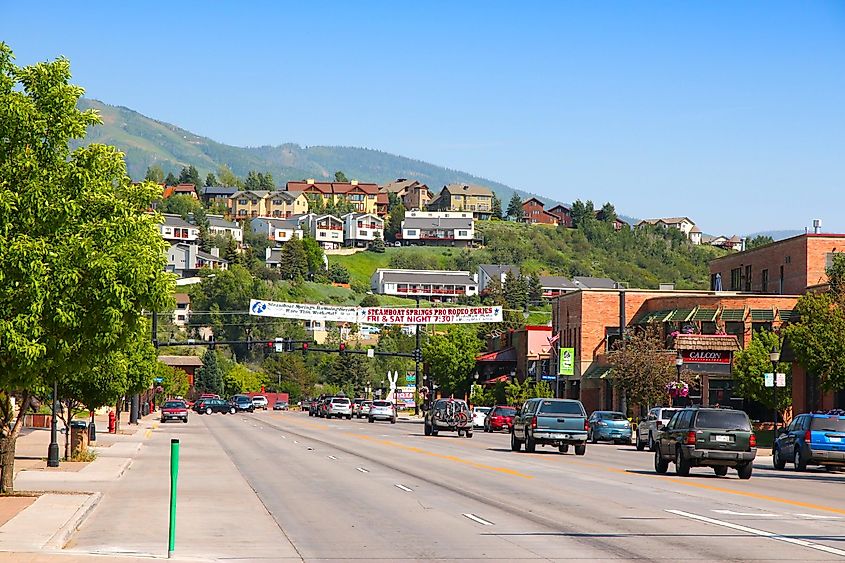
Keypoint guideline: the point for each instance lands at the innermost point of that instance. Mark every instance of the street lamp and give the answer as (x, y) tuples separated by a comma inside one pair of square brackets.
[(679, 363), (774, 356), (53, 448)]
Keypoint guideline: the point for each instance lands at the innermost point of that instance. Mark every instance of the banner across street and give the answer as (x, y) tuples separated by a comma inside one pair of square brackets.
[(304, 311), (375, 315)]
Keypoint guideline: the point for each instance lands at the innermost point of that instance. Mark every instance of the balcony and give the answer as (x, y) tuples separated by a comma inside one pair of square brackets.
[(430, 291), (329, 228)]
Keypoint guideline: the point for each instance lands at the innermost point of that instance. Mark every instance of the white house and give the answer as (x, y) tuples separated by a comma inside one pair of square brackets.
[(683, 224), (325, 229), (434, 285), (487, 273), (217, 225), (185, 259), (359, 229), (456, 228), (175, 229), (182, 313), (277, 230)]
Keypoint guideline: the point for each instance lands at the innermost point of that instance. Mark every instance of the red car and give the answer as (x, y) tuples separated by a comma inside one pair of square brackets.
[(500, 418), (174, 410)]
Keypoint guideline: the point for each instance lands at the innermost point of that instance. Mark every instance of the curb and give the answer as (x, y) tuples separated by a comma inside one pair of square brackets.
[(62, 536)]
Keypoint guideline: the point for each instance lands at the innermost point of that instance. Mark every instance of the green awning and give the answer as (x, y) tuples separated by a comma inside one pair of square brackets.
[(733, 315), (762, 315), (681, 315), (788, 315), (655, 317), (596, 371), (708, 315)]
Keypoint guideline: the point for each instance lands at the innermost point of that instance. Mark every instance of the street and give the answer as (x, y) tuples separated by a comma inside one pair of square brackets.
[(340, 489)]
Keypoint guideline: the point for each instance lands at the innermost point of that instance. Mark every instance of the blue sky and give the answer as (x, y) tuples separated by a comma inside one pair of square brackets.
[(728, 112)]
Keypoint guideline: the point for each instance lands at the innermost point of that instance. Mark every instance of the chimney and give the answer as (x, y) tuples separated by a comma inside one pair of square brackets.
[(215, 252), (666, 287), (354, 182), (817, 226), (310, 181)]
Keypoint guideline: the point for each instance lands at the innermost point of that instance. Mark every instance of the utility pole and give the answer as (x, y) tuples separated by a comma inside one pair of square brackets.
[(417, 362)]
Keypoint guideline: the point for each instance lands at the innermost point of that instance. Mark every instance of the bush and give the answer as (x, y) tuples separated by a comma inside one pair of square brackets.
[(338, 274), (369, 301)]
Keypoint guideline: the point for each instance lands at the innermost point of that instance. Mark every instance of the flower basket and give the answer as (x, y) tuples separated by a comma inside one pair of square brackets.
[(676, 389)]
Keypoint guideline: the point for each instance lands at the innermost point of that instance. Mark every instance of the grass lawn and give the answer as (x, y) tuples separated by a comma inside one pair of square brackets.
[(362, 265)]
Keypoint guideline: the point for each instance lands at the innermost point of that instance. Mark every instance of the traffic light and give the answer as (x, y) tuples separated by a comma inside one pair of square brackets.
[(342, 347), (304, 348), (417, 355)]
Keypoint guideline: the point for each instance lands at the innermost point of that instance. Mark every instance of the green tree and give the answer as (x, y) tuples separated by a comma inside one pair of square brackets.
[(338, 274), (227, 177), (190, 175), (231, 255), (294, 260), (286, 372), (608, 213), (182, 205), (369, 300), (579, 212), (154, 174), (451, 357), (238, 378), (836, 278), (818, 338), (535, 289), (378, 243), (759, 240), (515, 210), (209, 376), (315, 258), (393, 201), (515, 290), (340, 177), (210, 180), (316, 204), (171, 180), (201, 221), (174, 382), (394, 222), (496, 207), (750, 365), (350, 370), (81, 260), (266, 182)]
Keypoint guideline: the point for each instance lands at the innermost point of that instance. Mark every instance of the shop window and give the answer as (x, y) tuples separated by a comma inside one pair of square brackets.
[(611, 336), (748, 278), (708, 327), (735, 328), (736, 279), (757, 327), (764, 281)]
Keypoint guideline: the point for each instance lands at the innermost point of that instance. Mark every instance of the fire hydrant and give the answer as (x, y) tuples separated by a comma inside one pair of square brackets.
[(112, 422)]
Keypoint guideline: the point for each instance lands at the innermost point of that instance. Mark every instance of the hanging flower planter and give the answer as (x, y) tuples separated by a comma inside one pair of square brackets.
[(676, 389)]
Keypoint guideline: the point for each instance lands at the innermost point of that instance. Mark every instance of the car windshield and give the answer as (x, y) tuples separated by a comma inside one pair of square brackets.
[(381, 403), (612, 416), (242, 400), (506, 412), (340, 401), (832, 424), (482, 409), (666, 414), (732, 420), (174, 405), (561, 407)]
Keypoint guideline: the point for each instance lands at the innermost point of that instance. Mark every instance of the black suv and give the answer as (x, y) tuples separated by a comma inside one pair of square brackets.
[(208, 406), (700, 436)]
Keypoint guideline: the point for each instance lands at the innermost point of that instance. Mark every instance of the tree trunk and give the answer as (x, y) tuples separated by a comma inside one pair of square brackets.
[(8, 439)]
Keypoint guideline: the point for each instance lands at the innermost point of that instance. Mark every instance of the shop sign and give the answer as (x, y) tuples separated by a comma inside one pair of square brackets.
[(707, 356)]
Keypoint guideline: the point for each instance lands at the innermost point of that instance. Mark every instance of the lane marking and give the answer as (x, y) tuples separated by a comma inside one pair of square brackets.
[(761, 533), (475, 518), (732, 513), (296, 441), (403, 487), (362, 470), (818, 517), (332, 457), (284, 437)]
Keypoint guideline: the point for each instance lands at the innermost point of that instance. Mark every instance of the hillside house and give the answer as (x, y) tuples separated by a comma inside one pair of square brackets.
[(217, 225), (435, 228), (683, 224), (413, 193), (218, 194), (563, 214), (432, 285), (490, 273), (360, 229), (180, 189), (247, 204), (464, 197), (175, 229), (185, 260), (325, 229), (278, 231), (534, 213), (364, 197)]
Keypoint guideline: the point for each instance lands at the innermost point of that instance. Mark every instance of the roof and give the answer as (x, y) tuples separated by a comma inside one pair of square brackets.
[(734, 239), (181, 361), (533, 199), (559, 206), (219, 221), (182, 298), (332, 187), (219, 190), (706, 342), (596, 371), (593, 283), (291, 223), (424, 276), (288, 196), (401, 184), (468, 189), (557, 282), (356, 216), (505, 355), (257, 193), (695, 229), (175, 221), (495, 271), (437, 222), (667, 220), (184, 188), (211, 257)]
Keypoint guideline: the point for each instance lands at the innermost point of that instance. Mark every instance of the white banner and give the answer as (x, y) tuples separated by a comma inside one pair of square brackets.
[(437, 315), (304, 311)]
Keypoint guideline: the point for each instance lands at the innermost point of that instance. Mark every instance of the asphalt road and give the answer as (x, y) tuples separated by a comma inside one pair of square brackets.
[(343, 489)]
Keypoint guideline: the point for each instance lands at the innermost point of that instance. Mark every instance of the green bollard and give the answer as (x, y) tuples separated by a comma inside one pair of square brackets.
[(174, 477)]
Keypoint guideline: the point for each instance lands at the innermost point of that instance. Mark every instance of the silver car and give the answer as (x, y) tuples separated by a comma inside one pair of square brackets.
[(339, 407), (364, 409), (382, 410), (649, 428)]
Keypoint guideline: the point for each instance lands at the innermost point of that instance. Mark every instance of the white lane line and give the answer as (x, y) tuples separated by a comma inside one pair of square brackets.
[(818, 517), (403, 487), (284, 437), (362, 470), (475, 518), (732, 513), (761, 533), (332, 457)]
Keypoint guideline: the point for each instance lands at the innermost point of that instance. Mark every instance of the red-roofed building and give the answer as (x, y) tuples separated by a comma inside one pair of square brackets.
[(363, 196), (533, 212)]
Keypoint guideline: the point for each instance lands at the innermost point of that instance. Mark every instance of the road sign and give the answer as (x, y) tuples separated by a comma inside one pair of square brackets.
[(769, 379), (545, 377), (371, 352), (780, 380)]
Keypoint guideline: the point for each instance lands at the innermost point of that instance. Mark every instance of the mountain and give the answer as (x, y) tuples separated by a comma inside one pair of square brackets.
[(776, 235), (146, 141)]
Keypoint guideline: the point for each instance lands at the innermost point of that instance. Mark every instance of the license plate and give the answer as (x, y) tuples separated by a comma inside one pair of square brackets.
[(723, 438), (836, 440)]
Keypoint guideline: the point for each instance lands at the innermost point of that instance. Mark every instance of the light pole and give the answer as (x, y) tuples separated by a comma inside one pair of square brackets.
[(679, 363), (774, 356), (53, 449)]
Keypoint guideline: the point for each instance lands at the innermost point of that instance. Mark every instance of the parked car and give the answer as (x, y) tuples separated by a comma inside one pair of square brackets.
[(197, 406), (280, 406), (243, 403), (499, 418), (649, 427), (323, 406), (609, 426), (478, 416), (552, 422), (811, 439), (710, 437), (382, 410), (210, 406), (339, 407), (260, 402), (174, 410), (451, 415), (313, 406), (356, 407), (365, 409)]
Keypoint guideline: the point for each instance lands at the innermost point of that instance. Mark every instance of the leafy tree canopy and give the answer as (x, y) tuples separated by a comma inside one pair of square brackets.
[(451, 357), (759, 240), (750, 365)]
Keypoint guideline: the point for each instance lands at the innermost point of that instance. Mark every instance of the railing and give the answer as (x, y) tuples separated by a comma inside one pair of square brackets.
[(431, 291)]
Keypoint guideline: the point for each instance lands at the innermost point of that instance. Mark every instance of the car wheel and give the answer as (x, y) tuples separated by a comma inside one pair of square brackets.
[(681, 464), (640, 444), (349, 417), (661, 466), (530, 444), (580, 449), (593, 438), (232, 410), (208, 410), (800, 463), (652, 445), (777, 459), (563, 448), (721, 470), (392, 421), (469, 434), (460, 432), (185, 420), (515, 444), (371, 419), (744, 470), (427, 429), (434, 430)]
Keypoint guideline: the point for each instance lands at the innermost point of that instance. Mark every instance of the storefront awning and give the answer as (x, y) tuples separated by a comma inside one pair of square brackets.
[(733, 315), (788, 315), (762, 315), (506, 355), (500, 379), (706, 342), (654, 317), (707, 315), (596, 371)]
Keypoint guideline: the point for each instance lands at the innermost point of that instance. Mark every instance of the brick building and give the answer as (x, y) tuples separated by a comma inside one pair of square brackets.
[(787, 266), (588, 320), (534, 212)]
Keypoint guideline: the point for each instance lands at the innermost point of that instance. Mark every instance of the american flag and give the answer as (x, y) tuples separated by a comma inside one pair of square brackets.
[(553, 339)]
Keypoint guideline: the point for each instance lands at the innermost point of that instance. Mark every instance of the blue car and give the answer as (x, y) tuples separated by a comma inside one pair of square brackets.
[(811, 439), (609, 426)]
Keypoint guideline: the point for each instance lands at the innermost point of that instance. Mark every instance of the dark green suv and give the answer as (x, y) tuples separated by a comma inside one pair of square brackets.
[(700, 436)]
